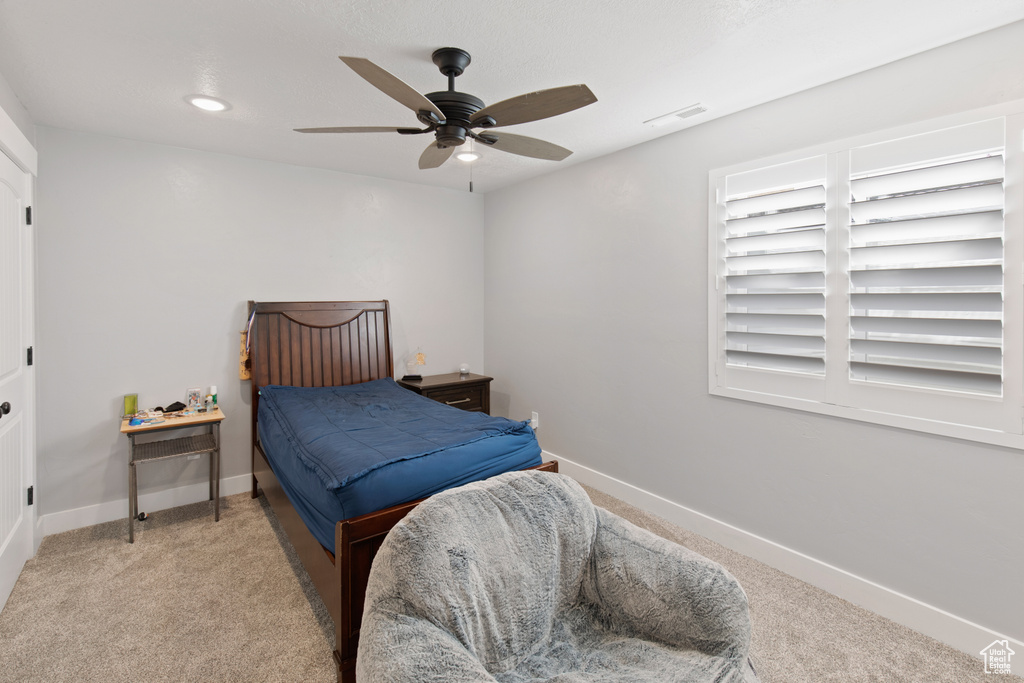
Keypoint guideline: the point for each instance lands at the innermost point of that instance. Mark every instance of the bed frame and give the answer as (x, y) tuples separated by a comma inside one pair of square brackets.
[(314, 344)]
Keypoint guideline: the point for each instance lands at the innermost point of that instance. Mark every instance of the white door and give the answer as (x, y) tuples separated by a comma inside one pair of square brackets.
[(15, 386)]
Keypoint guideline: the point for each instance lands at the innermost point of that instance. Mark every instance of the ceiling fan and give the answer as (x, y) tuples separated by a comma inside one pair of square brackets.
[(451, 115)]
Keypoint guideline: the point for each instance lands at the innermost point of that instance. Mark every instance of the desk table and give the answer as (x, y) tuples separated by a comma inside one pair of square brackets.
[(197, 444)]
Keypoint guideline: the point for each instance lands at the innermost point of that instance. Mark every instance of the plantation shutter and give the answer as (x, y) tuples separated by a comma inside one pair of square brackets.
[(880, 282), (926, 261), (773, 255)]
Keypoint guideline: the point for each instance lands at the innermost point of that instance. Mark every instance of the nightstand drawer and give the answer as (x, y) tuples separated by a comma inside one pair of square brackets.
[(468, 391), (466, 398)]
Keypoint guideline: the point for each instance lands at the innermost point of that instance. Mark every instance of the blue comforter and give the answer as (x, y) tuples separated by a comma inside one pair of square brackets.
[(340, 452)]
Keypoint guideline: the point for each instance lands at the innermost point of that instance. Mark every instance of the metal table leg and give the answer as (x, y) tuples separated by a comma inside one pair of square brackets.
[(133, 489), (212, 473), (215, 464)]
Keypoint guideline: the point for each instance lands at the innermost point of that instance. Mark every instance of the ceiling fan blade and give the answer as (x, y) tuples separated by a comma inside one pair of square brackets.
[(350, 129), (391, 85), (433, 156), (534, 106), (524, 146)]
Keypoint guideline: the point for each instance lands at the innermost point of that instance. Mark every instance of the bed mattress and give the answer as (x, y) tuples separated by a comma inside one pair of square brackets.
[(341, 452)]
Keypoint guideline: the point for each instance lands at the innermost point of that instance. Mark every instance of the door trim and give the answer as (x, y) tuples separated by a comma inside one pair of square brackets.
[(14, 144)]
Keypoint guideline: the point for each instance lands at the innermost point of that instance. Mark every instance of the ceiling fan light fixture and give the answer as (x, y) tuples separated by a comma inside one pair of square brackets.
[(672, 117), (469, 154), (207, 103)]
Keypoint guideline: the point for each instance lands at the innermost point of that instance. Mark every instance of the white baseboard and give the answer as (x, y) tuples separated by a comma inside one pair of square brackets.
[(66, 520), (936, 623)]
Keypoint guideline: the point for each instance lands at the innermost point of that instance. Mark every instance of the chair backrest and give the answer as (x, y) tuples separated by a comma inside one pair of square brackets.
[(490, 562)]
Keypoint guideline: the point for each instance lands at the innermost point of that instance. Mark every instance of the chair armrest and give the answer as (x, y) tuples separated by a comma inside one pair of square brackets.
[(395, 647), (665, 592)]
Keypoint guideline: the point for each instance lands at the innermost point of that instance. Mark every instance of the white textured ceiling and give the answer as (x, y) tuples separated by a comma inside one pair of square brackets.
[(123, 67)]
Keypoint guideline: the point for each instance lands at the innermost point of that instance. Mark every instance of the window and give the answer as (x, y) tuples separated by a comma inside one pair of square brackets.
[(878, 280)]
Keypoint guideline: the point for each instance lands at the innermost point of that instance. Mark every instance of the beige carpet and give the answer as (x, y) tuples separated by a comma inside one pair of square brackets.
[(190, 600), (194, 600)]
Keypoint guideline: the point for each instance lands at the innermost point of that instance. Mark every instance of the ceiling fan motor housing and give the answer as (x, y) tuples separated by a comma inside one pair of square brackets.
[(458, 108)]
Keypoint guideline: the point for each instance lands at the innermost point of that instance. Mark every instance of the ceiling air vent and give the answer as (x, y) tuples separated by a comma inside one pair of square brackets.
[(684, 113)]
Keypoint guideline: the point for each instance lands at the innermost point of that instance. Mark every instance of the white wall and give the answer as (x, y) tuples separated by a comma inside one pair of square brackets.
[(596, 296), (148, 254)]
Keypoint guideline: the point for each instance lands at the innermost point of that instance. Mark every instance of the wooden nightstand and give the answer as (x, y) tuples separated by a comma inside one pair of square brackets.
[(468, 392)]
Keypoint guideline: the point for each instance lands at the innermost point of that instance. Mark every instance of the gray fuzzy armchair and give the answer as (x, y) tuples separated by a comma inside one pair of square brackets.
[(520, 578)]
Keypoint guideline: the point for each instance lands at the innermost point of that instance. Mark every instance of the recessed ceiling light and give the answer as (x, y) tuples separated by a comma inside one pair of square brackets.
[(684, 113), (207, 103)]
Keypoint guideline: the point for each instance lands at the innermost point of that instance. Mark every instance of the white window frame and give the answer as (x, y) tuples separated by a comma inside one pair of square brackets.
[(988, 419)]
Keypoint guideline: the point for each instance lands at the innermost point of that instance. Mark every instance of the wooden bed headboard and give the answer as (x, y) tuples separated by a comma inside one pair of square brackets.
[(319, 343)]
